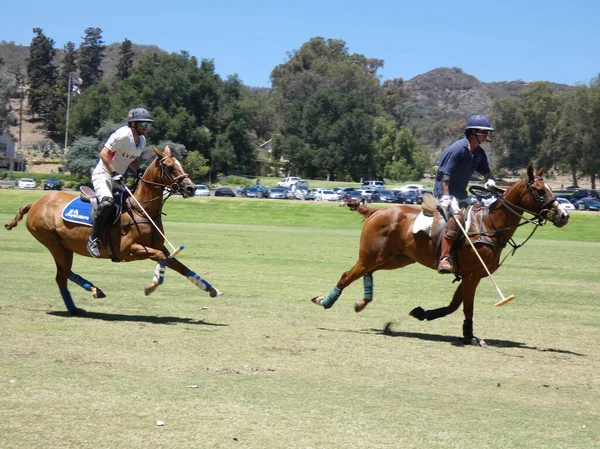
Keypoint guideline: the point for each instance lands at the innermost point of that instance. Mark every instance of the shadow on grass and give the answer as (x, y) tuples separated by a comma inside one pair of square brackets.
[(135, 318), (454, 341)]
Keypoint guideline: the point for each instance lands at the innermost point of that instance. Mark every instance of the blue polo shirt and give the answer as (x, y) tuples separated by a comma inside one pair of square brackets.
[(458, 162)]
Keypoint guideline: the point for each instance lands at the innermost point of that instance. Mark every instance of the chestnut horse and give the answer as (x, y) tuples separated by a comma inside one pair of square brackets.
[(135, 239), (387, 242)]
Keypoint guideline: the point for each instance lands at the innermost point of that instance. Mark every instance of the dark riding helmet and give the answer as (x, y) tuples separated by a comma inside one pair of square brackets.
[(139, 115), (478, 122)]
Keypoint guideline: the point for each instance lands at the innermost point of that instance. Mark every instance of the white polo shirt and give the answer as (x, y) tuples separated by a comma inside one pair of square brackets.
[(122, 144)]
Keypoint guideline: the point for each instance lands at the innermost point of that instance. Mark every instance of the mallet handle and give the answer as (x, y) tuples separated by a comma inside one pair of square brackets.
[(503, 300)]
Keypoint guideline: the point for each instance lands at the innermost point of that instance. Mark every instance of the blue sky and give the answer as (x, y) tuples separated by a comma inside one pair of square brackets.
[(529, 40)]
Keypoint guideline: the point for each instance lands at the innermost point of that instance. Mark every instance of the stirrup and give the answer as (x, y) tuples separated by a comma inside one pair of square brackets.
[(445, 266), (93, 247)]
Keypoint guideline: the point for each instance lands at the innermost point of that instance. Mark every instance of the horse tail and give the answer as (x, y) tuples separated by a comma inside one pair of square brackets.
[(362, 209), (22, 211)]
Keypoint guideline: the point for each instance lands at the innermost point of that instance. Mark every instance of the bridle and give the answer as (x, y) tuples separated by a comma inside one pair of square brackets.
[(540, 196), (174, 186)]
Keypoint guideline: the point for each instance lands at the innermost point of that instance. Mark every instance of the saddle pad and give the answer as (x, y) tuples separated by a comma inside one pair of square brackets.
[(425, 223), (78, 212)]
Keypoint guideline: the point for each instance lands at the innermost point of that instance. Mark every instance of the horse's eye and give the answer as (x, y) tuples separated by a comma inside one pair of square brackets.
[(541, 192)]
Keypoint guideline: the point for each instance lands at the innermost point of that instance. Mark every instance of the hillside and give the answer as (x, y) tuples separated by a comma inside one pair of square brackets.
[(15, 56)]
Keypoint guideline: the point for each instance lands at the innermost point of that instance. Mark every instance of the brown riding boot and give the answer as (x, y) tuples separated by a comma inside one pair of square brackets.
[(445, 264)]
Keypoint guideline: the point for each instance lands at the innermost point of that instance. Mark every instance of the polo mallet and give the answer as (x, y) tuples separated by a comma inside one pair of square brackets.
[(174, 250), (503, 300)]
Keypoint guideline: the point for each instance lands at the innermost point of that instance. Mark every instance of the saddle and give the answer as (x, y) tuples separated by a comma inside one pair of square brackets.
[(432, 222), (87, 195)]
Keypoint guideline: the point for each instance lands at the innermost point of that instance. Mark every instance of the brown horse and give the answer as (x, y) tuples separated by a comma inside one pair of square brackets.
[(136, 238), (388, 242)]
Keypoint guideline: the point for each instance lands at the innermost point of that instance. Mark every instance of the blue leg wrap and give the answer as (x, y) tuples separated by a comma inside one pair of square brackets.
[(332, 297), (66, 295), (84, 283), (198, 281), (368, 287)]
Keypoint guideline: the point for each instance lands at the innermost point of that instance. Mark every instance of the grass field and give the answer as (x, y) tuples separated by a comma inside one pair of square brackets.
[(262, 367)]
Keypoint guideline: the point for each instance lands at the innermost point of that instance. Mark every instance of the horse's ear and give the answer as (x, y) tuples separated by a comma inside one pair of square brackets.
[(158, 153), (540, 172), (530, 177), (168, 151)]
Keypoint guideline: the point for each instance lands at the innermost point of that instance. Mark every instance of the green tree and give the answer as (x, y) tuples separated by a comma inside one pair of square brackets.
[(8, 89), (82, 156), (91, 53), (324, 95), (68, 65), (41, 71), (196, 166), (125, 63)]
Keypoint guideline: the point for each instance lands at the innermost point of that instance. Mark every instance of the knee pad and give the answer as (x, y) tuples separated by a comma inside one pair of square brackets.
[(106, 206)]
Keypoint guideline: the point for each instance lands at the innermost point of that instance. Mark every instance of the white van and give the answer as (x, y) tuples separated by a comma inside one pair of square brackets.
[(379, 185)]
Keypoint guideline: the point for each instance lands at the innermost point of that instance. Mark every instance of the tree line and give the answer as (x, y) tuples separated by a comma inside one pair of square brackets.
[(328, 113)]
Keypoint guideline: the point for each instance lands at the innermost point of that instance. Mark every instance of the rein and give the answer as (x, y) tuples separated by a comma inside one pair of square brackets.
[(171, 188), (538, 218)]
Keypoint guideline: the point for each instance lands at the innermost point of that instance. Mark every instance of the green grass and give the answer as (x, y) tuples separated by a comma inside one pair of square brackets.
[(266, 367)]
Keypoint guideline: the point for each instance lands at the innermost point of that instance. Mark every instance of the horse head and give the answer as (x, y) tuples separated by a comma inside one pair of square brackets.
[(167, 172), (534, 195)]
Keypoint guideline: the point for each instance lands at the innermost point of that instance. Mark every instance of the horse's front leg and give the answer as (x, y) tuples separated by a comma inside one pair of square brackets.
[(141, 252), (86, 285), (194, 278)]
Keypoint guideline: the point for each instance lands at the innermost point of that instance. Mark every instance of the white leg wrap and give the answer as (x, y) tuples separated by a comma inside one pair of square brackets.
[(159, 273), (198, 281)]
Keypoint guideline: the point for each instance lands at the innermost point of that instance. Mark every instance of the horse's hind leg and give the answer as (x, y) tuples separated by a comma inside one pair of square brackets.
[(357, 271), (63, 258), (86, 285), (397, 261)]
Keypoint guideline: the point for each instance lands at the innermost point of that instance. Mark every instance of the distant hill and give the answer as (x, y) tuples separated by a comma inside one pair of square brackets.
[(444, 97), (15, 56), (449, 93)]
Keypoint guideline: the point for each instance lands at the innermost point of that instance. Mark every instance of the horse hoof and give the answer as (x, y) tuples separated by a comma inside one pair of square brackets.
[(359, 306), (318, 300), (77, 312), (474, 341), (150, 288), (97, 293), (418, 313), (214, 292)]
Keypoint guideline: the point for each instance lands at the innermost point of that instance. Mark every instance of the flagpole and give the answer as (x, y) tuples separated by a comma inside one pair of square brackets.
[(68, 106)]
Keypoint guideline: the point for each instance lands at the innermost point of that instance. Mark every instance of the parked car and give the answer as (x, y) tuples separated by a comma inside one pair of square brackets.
[(341, 191), (387, 196), (587, 204), (379, 185), (583, 193), (52, 184), (311, 194), (372, 195), (224, 191), (326, 195), (27, 183), (289, 182), (408, 197), (202, 190), (250, 192), (405, 187), (353, 195), (565, 203), (277, 193)]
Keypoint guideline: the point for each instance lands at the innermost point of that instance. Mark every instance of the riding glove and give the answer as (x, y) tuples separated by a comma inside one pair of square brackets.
[(116, 177), (489, 184), (449, 205)]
